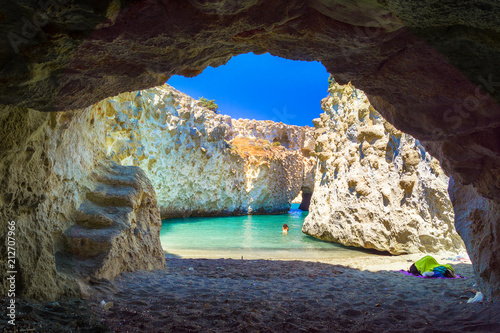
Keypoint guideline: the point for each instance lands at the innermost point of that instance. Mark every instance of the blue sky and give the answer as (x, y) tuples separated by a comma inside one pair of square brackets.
[(261, 87)]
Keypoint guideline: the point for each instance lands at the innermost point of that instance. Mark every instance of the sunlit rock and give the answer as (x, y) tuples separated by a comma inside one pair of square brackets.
[(376, 187), (75, 218), (202, 163)]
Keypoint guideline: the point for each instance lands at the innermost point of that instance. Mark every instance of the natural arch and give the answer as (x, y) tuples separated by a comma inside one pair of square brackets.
[(431, 68)]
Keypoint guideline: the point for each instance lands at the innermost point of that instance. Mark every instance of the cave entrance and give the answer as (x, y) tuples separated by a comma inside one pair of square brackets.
[(204, 162), (261, 87)]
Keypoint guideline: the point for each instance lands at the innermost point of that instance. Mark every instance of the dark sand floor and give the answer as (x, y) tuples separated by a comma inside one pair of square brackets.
[(226, 295)]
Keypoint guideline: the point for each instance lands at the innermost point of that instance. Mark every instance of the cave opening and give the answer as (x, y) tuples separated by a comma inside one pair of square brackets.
[(261, 87), (448, 102), (204, 162)]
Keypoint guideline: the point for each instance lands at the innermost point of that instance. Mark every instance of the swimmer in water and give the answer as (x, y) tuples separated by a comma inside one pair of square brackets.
[(285, 228)]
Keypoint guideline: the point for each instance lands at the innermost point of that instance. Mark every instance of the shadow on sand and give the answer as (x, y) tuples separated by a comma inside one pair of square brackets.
[(227, 295)]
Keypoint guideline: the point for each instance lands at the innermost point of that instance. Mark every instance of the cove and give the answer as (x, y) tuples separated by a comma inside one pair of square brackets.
[(248, 236)]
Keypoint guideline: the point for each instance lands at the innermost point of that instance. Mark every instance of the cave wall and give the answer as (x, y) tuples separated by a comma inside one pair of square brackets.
[(46, 160), (430, 66), (51, 165), (478, 221)]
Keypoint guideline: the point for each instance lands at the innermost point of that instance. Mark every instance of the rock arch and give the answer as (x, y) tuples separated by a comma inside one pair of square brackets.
[(431, 68)]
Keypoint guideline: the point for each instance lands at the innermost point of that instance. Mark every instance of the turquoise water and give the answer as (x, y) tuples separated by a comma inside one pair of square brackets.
[(250, 236)]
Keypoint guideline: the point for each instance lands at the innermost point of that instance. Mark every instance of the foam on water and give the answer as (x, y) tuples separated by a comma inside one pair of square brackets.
[(250, 236)]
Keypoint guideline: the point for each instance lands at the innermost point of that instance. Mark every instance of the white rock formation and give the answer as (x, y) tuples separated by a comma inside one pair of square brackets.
[(376, 187), (291, 137), (202, 163)]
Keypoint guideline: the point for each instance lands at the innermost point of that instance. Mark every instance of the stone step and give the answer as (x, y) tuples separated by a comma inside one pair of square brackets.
[(117, 179), (72, 265), (91, 215), (86, 243), (111, 195)]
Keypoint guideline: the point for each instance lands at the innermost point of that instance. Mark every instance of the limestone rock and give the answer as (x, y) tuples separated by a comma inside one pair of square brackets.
[(376, 189), (202, 163), (45, 163), (46, 166), (477, 222), (291, 137), (117, 227)]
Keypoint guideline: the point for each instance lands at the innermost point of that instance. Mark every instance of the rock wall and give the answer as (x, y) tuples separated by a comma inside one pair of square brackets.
[(297, 138), (46, 166), (376, 187), (117, 226), (477, 221), (202, 163)]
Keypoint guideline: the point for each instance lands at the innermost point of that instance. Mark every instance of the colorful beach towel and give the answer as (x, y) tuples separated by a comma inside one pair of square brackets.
[(428, 267), (431, 277)]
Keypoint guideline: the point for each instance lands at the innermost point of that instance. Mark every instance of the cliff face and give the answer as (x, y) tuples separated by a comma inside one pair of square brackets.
[(202, 163), (45, 163), (47, 169), (376, 187)]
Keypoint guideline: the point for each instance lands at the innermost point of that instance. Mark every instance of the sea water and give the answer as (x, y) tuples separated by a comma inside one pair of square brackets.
[(248, 236)]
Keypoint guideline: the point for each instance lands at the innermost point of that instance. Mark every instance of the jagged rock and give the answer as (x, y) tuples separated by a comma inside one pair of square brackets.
[(48, 188), (117, 227), (45, 163), (211, 164), (376, 189)]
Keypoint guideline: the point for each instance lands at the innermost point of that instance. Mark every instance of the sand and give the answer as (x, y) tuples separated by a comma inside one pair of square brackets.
[(228, 295), (361, 294)]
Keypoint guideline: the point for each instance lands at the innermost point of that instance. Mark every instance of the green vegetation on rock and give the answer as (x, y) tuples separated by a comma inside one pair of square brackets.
[(209, 104)]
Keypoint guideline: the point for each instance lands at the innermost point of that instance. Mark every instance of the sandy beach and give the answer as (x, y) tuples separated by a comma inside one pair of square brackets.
[(361, 294)]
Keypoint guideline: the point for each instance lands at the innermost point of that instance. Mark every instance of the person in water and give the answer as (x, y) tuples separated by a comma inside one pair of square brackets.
[(285, 228)]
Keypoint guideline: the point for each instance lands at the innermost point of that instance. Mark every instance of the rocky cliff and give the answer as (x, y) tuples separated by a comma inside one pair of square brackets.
[(376, 187), (75, 215), (202, 163)]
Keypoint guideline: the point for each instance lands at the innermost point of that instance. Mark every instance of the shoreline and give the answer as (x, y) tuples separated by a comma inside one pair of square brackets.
[(371, 260)]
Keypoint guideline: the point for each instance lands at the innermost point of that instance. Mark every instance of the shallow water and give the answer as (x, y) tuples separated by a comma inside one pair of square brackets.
[(249, 236)]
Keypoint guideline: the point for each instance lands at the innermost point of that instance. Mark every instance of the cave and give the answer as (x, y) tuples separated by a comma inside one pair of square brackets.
[(430, 67)]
